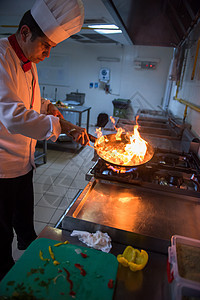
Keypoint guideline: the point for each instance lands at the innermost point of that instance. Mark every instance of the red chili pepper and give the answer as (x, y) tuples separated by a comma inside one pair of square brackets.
[(83, 255), (72, 293), (78, 266), (110, 284)]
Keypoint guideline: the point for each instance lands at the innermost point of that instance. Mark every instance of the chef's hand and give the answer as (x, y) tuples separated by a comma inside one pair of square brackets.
[(78, 134), (53, 110)]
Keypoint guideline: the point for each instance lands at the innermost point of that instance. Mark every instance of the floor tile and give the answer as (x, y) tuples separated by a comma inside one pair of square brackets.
[(51, 201), (57, 215), (64, 204), (40, 187), (68, 173), (70, 167), (35, 177), (72, 192), (39, 226), (39, 170), (37, 197), (43, 214), (46, 179), (57, 190), (64, 181), (81, 184), (80, 175), (51, 172), (16, 253)]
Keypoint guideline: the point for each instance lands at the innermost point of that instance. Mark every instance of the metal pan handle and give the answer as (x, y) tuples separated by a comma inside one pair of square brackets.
[(92, 138)]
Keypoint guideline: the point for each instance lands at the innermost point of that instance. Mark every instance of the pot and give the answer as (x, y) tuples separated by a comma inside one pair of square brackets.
[(120, 144)]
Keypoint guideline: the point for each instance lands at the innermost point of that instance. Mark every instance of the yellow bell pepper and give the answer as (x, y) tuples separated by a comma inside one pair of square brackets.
[(42, 258), (55, 262), (133, 258)]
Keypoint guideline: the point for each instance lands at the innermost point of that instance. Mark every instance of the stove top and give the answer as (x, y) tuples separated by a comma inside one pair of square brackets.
[(170, 171)]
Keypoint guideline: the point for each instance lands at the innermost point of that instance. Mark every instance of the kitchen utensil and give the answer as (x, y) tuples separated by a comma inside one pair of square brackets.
[(112, 140), (92, 138)]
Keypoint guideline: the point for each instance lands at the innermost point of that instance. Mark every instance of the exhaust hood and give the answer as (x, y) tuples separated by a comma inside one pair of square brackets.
[(155, 22)]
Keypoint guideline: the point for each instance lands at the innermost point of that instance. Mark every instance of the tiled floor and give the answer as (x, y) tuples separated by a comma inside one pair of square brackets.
[(56, 183)]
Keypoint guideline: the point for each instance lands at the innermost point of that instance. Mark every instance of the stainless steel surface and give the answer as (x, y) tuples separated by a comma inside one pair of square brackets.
[(75, 98), (161, 130), (175, 172), (117, 235), (139, 210), (164, 128)]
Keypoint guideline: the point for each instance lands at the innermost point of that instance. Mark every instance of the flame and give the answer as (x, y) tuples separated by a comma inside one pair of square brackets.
[(127, 148), (112, 120)]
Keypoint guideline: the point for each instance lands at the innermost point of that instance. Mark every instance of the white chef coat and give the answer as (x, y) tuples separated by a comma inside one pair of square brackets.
[(20, 126)]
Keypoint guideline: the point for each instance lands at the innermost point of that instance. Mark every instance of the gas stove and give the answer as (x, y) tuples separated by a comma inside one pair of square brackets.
[(170, 171)]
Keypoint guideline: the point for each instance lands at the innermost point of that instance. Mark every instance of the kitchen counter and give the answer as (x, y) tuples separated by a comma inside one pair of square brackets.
[(152, 280)]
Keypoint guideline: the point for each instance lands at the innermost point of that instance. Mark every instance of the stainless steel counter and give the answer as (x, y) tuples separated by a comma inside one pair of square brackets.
[(137, 216), (137, 209)]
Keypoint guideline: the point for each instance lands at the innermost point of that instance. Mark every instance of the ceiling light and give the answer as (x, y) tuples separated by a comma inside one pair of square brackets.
[(107, 31), (105, 28)]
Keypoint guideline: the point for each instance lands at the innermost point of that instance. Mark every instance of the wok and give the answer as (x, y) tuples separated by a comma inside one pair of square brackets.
[(120, 144)]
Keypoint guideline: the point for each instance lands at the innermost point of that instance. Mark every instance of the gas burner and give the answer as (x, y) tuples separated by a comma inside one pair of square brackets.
[(182, 162), (173, 170), (168, 178), (170, 160), (121, 170), (189, 185)]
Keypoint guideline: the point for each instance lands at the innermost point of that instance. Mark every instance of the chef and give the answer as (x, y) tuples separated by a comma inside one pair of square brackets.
[(26, 118)]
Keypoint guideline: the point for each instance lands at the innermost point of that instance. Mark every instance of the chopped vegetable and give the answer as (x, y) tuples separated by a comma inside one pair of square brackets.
[(45, 283), (84, 255), (56, 262), (110, 284), (55, 278), (42, 258), (72, 293), (133, 258), (78, 266), (51, 253), (63, 243), (34, 271)]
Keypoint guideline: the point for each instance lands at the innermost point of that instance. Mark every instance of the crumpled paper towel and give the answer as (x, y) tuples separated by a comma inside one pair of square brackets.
[(98, 240)]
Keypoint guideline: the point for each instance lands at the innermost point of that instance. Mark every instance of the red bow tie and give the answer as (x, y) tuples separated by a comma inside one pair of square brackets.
[(27, 64)]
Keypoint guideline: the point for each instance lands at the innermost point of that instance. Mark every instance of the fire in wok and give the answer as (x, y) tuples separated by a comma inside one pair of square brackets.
[(123, 148)]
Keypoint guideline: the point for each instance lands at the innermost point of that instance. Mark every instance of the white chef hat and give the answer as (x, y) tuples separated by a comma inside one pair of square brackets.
[(58, 19)]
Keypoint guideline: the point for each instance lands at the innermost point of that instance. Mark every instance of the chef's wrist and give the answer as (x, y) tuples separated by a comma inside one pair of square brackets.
[(66, 127)]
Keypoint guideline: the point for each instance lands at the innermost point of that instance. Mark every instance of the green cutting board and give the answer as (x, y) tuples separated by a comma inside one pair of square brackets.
[(33, 276)]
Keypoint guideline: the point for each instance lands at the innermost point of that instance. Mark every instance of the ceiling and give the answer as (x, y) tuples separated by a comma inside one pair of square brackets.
[(96, 12), (158, 22), (143, 22)]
